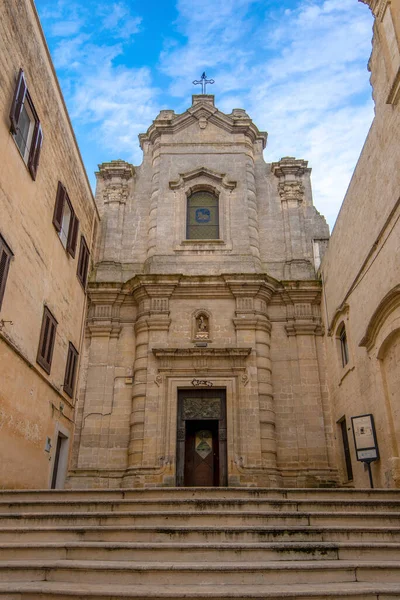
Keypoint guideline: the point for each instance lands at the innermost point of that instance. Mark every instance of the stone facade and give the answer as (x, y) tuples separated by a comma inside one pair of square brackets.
[(361, 273), (238, 313), (36, 271)]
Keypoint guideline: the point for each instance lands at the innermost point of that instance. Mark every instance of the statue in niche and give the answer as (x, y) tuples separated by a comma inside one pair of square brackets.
[(202, 329)]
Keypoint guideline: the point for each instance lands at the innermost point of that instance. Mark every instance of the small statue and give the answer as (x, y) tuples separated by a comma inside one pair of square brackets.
[(202, 323), (202, 327)]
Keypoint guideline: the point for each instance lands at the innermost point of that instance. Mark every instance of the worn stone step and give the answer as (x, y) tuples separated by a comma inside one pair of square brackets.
[(228, 518), (203, 552), (207, 534), (46, 590), (195, 504), (181, 493), (170, 573)]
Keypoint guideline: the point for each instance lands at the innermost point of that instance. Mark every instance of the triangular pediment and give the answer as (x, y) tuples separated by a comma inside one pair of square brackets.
[(202, 112)]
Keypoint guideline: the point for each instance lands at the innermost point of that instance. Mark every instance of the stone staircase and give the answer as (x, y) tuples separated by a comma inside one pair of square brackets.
[(205, 543)]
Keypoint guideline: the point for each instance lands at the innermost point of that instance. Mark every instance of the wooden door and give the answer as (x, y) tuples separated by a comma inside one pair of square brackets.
[(201, 438)]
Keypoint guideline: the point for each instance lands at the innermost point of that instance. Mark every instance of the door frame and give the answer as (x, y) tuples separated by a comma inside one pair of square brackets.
[(181, 431)]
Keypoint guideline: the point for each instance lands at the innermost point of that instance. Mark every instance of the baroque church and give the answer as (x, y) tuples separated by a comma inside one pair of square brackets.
[(204, 362)]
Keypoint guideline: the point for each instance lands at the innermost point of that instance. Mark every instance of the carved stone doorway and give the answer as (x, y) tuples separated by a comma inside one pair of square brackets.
[(201, 438)]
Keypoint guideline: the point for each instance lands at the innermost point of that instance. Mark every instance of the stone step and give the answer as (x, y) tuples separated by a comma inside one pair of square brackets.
[(198, 493), (195, 504), (206, 517), (49, 590), (170, 573), (208, 534), (202, 552)]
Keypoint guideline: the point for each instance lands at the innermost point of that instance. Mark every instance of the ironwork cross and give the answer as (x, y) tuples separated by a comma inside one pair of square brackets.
[(203, 82)]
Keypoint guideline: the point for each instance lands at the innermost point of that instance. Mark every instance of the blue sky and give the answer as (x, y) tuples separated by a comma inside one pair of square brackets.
[(298, 67)]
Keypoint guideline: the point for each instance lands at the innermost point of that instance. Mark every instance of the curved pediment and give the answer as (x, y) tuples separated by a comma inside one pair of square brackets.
[(202, 172), (203, 112)]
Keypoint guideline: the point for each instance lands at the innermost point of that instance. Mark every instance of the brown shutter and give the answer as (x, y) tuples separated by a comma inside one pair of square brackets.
[(18, 101), (36, 146), (46, 340), (5, 257), (83, 262), (72, 235), (70, 370), (59, 206)]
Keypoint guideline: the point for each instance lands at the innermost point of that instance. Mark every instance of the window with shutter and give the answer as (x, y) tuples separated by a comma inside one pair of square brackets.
[(65, 221), (5, 258), (83, 262), (46, 340), (25, 125), (70, 370)]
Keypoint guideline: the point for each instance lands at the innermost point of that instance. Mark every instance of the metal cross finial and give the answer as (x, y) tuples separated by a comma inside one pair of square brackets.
[(203, 82)]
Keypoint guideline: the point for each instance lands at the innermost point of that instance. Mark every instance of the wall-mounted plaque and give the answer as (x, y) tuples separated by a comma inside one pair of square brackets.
[(365, 438)]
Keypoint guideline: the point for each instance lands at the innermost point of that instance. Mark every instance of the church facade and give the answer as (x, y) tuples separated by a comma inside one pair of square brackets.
[(204, 361)]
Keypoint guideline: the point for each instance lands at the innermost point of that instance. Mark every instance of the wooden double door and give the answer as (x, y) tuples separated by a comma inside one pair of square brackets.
[(201, 438)]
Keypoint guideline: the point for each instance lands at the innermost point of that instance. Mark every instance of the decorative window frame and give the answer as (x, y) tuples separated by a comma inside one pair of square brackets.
[(202, 179)]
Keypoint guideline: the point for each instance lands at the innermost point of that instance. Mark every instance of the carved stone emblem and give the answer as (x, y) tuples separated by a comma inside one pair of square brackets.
[(201, 408)]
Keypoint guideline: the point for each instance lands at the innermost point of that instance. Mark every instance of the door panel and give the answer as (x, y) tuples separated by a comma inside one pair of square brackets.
[(201, 454)]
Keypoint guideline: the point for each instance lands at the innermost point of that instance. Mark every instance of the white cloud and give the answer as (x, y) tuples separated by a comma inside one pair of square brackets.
[(109, 102)]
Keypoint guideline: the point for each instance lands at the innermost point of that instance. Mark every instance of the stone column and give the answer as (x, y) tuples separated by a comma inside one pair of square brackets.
[(265, 395), (252, 209), (114, 180), (303, 325), (292, 193), (135, 449), (155, 192)]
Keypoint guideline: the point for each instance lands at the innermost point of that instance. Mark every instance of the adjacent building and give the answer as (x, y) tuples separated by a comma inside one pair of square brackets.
[(48, 220), (361, 275)]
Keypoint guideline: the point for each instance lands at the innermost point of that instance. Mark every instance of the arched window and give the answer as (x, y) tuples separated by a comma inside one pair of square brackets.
[(202, 216), (344, 349)]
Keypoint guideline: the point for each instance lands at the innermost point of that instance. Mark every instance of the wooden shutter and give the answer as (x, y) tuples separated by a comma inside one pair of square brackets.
[(70, 370), (18, 101), (59, 206), (72, 234), (34, 153), (46, 340), (83, 262), (5, 258)]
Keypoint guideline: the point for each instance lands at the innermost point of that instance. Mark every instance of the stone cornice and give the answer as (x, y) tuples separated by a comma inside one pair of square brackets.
[(203, 360), (168, 123), (116, 169)]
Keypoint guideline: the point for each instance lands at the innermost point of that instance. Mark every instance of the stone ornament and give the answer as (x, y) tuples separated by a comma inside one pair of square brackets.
[(201, 408)]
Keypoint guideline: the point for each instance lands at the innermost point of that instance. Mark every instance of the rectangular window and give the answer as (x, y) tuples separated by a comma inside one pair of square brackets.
[(5, 258), (46, 341), (70, 371), (65, 221), (25, 125), (83, 262)]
